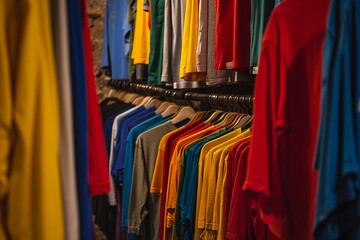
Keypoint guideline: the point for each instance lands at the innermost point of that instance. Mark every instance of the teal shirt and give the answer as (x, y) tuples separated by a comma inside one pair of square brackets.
[(260, 13)]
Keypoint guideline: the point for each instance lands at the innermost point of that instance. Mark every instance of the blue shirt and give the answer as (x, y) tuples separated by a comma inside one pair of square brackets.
[(337, 156), (189, 190), (116, 45), (78, 84), (108, 127), (129, 158), (125, 125)]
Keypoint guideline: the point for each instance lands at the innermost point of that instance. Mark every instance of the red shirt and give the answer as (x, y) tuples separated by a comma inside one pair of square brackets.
[(244, 220), (231, 169), (286, 117), (232, 45), (98, 165)]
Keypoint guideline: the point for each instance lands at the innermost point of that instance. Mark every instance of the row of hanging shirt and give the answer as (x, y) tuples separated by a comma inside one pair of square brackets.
[(183, 42), (181, 176)]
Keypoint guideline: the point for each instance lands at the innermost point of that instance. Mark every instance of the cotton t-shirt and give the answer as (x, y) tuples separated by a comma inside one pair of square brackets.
[(232, 34), (188, 194), (174, 171), (144, 208), (30, 180), (337, 155), (129, 158), (205, 52), (141, 45), (260, 13), (127, 123), (156, 42), (80, 117), (188, 69), (177, 232), (115, 46), (165, 174), (285, 126), (208, 186), (98, 165), (206, 148)]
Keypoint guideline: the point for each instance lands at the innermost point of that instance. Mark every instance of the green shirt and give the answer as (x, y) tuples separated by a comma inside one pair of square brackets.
[(156, 42), (260, 12)]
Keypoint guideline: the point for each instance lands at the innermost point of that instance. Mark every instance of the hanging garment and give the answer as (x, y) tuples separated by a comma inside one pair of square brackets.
[(131, 20), (144, 208), (156, 42), (200, 179), (188, 193), (116, 46), (286, 118), (337, 156), (205, 52), (232, 34), (174, 18), (129, 158), (141, 45), (260, 13), (188, 69), (177, 232), (206, 203), (30, 180), (98, 169), (80, 115), (67, 148)]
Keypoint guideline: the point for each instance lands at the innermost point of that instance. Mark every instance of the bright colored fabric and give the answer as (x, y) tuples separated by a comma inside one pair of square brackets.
[(141, 45), (80, 117), (204, 151), (188, 68), (29, 124), (285, 126), (98, 168), (337, 156)]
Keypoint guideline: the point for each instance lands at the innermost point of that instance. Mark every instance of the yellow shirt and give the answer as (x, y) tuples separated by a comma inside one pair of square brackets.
[(206, 148), (207, 197), (6, 104), (216, 191), (219, 201), (141, 45), (29, 122), (188, 68)]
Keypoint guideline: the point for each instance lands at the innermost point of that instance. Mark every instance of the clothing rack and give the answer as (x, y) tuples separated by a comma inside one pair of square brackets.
[(230, 102)]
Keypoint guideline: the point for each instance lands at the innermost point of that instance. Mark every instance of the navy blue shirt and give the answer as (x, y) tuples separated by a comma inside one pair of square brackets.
[(78, 84)]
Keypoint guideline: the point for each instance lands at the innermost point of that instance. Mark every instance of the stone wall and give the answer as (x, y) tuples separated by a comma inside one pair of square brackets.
[(96, 10)]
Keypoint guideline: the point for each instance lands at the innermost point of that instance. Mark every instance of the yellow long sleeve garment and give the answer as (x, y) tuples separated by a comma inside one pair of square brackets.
[(30, 187)]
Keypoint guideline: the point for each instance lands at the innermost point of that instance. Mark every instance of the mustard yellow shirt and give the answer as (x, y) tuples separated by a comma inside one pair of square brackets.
[(141, 45), (29, 123), (188, 68), (206, 148)]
